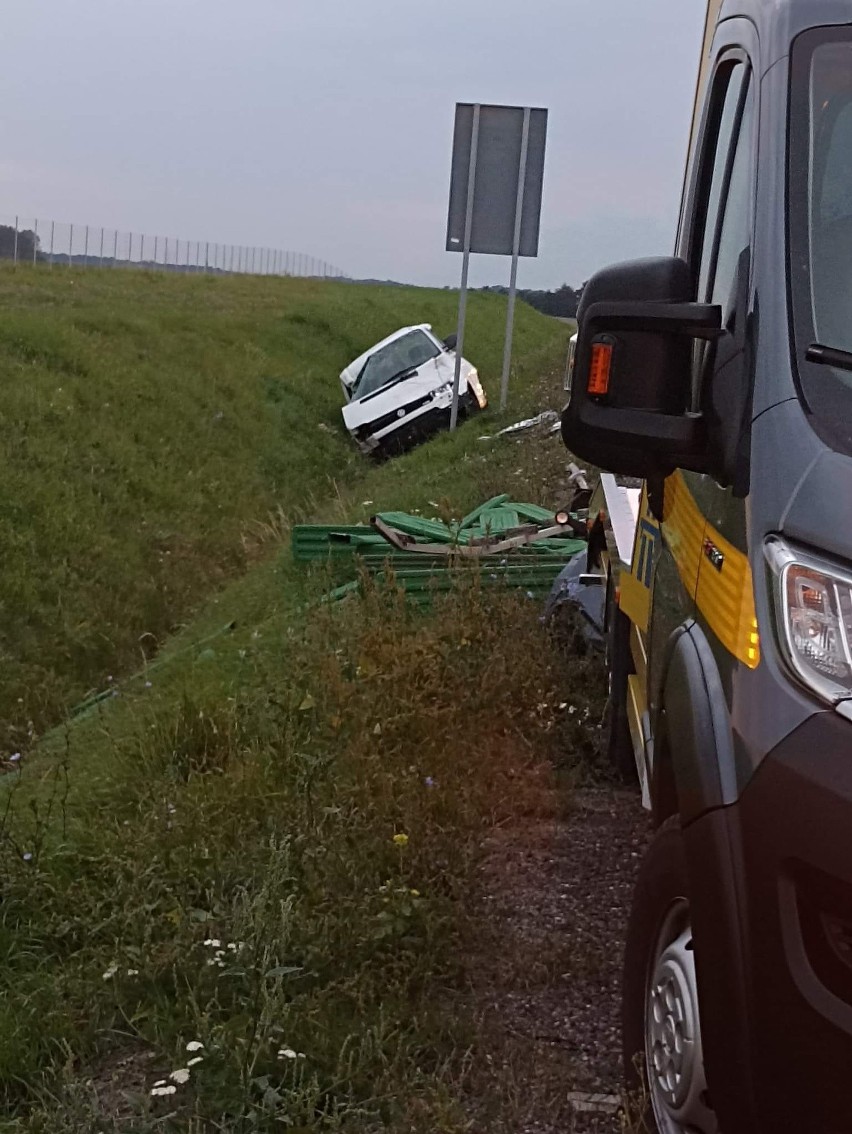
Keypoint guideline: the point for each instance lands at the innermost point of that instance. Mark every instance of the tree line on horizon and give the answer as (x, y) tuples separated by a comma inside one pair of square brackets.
[(562, 301)]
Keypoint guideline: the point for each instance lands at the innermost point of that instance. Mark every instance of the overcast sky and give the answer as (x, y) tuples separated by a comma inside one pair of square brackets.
[(326, 125)]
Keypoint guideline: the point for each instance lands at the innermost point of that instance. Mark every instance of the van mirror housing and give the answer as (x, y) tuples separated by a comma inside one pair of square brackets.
[(629, 402), (450, 342)]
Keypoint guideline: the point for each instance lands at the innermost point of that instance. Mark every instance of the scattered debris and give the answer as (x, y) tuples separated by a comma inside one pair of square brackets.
[(509, 542), (547, 417), (583, 1103)]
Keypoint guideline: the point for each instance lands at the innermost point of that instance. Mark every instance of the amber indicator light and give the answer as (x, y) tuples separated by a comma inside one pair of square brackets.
[(599, 369)]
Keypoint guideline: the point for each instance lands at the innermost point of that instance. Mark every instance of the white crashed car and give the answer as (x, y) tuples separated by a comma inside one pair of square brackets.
[(401, 390)]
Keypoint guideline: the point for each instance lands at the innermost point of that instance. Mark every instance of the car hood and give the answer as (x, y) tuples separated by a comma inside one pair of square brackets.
[(426, 379)]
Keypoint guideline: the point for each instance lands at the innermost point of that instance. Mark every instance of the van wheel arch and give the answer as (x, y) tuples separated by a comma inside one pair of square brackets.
[(694, 768)]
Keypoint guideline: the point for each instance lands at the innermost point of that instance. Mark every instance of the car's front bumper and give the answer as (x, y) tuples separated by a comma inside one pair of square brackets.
[(409, 429)]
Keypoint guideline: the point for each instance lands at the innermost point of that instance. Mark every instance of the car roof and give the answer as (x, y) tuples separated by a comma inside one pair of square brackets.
[(351, 372)]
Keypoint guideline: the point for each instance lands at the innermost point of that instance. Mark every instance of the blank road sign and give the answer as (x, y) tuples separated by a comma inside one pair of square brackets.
[(498, 160)]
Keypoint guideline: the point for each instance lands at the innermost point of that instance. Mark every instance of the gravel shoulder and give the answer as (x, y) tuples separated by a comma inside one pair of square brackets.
[(551, 911)]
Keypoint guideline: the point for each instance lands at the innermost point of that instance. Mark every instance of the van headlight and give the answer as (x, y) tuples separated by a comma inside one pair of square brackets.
[(813, 604)]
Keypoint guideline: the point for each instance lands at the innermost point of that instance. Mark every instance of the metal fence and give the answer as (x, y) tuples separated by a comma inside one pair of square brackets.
[(54, 243)]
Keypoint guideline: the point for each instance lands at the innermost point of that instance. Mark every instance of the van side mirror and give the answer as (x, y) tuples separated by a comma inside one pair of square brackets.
[(450, 342), (629, 404)]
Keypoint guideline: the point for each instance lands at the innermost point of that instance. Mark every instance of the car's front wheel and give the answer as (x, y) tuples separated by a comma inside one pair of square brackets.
[(663, 1053)]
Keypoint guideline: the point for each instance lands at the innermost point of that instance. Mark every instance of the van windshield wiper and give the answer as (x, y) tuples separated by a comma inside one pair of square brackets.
[(829, 356), (399, 377)]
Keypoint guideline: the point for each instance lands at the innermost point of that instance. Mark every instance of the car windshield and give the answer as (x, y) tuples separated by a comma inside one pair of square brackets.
[(403, 354), (821, 226)]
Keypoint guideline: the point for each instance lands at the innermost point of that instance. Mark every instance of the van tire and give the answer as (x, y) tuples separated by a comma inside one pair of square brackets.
[(659, 929), (617, 742)]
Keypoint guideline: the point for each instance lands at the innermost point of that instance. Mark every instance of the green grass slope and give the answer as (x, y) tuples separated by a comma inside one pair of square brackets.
[(264, 845), (154, 427)]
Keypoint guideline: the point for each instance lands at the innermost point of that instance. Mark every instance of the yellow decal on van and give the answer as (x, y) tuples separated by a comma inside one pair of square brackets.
[(714, 572)]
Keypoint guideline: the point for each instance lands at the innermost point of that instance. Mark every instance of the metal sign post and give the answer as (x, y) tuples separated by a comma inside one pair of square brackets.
[(495, 202), (468, 224), (516, 244)]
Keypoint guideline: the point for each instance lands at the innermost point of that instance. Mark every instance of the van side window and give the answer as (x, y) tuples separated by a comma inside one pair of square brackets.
[(719, 160), (735, 233)]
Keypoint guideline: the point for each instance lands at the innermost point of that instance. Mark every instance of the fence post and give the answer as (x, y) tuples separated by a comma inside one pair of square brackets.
[(86, 249), (101, 254), (207, 256), (130, 250), (35, 240), (15, 245), (156, 248), (115, 248), (70, 243)]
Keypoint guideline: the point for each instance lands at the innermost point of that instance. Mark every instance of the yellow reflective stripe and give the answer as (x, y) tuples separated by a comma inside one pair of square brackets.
[(635, 601), (683, 527), (725, 597), (723, 590)]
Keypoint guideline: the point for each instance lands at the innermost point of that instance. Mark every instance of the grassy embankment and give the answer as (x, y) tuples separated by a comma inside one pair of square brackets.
[(308, 789)]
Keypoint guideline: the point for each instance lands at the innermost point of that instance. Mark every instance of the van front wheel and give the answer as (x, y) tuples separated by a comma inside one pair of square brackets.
[(661, 1026)]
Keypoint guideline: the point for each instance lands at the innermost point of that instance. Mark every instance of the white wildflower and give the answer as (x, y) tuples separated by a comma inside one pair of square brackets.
[(14, 758), (195, 1045), (110, 973), (181, 1075), (288, 1053), (163, 1090), (27, 856), (133, 972), (212, 943), (195, 1059)]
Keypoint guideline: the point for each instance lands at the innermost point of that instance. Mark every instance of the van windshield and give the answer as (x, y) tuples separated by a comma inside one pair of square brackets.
[(394, 360), (820, 164)]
